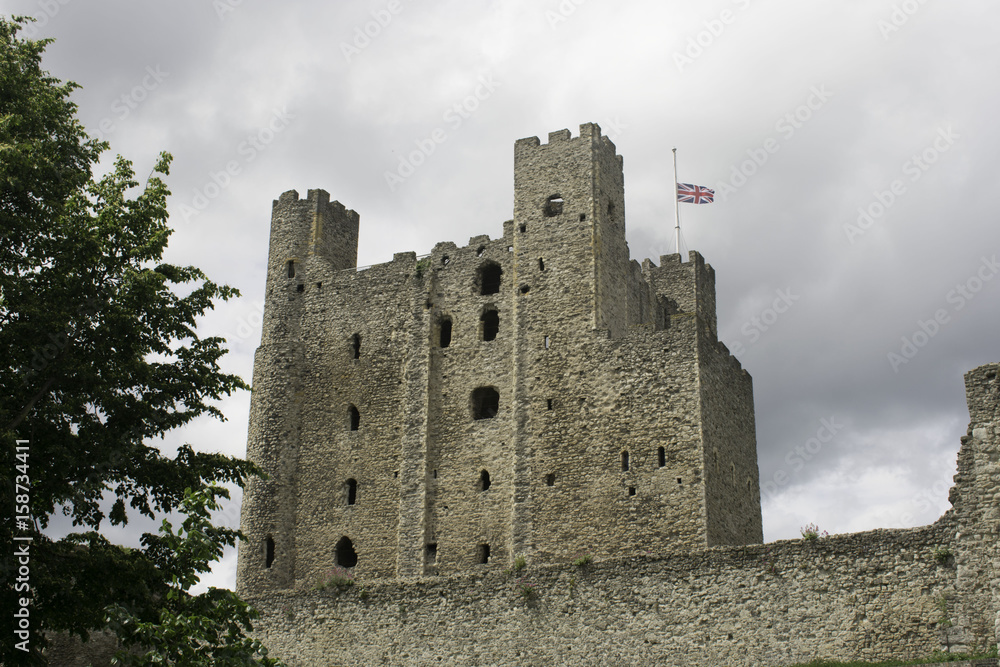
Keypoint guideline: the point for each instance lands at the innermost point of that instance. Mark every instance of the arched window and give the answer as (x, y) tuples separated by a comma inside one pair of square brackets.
[(485, 403), (355, 418), (489, 278), (625, 465), (345, 554), (352, 491), (268, 551), (484, 480), (444, 327), (490, 323)]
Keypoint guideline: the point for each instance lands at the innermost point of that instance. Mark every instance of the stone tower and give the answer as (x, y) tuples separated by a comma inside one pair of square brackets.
[(539, 394)]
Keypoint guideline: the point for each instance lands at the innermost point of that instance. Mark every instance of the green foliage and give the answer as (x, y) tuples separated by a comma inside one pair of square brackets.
[(941, 554), (526, 590), (206, 629), (811, 532), (520, 562), (422, 266), (100, 356), (583, 560), (339, 577)]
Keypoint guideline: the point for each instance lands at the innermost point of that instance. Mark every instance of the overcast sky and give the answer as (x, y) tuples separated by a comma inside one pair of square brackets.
[(853, 145)]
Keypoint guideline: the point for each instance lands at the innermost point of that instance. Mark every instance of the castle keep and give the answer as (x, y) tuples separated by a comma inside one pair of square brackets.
[(427, 421), (538, 394)]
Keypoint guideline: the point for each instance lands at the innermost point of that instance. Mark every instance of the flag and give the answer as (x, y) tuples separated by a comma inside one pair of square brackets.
[(694, 194)]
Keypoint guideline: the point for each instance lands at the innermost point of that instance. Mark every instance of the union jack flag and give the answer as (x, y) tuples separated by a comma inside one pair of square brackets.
[(694, 194)]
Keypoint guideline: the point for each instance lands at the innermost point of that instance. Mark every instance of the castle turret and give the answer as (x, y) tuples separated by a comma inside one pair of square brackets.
[(303, 232)]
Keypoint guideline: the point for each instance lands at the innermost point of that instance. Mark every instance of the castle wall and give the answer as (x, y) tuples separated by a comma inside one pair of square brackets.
[(866, 596)]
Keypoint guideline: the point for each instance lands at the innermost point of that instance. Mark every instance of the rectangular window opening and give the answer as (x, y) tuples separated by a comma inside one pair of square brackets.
[(484, 554), (631, 490), (549, 403), (548, 342), (661, 455)]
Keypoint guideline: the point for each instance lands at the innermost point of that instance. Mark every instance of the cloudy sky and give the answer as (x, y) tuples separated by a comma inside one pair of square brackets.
[(852, 143)]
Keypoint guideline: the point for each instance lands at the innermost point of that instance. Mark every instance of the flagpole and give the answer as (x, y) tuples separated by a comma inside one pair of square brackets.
[(677, 209)]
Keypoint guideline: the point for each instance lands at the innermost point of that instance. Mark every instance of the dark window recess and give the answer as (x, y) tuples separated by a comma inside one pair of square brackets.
[(611, 208), (679, 481), (548, 342), (484, 554), (484, 480), (550, 480), (352, 491), (661, 456), (345, 554), (631, 490), (355, 418), (523, 228), (319, 285), (489, 278), (445, 327), (549, 403), (300, 288), (583, 216), (625, 465), (541, 264), (446, 260), (525, 289), (268, 551), (485, 403), (356, 346), (491, 324), (553, 206), (480, 250), (435, 474), (291, 268), (432, 553)]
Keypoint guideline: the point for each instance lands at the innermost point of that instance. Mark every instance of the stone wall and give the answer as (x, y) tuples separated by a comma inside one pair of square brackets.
[(864, 596)]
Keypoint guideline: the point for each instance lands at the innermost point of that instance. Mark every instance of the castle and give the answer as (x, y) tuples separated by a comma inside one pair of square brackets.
[(434, 424)]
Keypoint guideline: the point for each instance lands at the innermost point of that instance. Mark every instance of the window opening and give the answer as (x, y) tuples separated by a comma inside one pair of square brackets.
[(548, 342), (356, 346), (300, 288), (346, 556), (525, 289), (352, 491), (549, 403), (583, 216), (432, 553), (625, 462), (661, 455), (490, 324), (678, 480), (553, 206), (355, 418), (484, 480), (489, 278), (550, 480), (541, 264), (291, 268), (268, 552), (485, 403), (631, 490), (484, 554), (480, 250), (445, 327), (446, 260), (523, 228), (611, 208)]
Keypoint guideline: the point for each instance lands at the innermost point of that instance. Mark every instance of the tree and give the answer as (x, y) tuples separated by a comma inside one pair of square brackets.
[(101, 356)]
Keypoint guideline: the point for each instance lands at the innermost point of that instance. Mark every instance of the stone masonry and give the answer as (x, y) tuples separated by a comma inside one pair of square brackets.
[(426, 422)]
